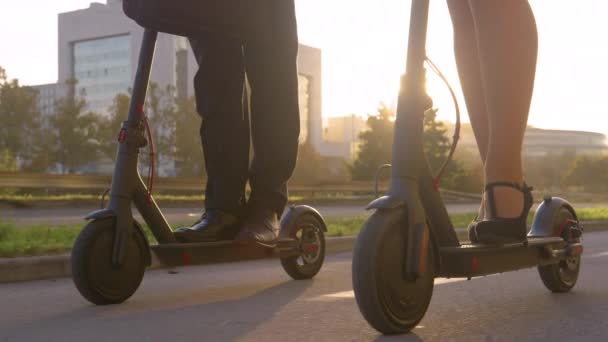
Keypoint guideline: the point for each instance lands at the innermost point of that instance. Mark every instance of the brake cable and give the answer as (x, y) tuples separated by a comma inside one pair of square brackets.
[(437, 177), (151, 165)]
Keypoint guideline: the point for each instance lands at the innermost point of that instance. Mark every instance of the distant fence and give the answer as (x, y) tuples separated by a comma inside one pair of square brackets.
[(98, 182)]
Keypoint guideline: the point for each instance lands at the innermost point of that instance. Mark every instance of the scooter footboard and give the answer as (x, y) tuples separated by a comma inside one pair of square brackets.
[(478, 260)]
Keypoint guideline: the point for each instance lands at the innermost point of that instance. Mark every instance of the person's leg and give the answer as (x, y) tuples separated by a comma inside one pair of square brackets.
[(469, 71), (275, 120), (225, 137), (507, 43), (275, 124)]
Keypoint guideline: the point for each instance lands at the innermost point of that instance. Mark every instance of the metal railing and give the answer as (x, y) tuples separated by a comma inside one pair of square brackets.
[(101, 182)]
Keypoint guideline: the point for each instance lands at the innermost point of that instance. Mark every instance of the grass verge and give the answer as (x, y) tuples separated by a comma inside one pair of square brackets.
[(46, 240)]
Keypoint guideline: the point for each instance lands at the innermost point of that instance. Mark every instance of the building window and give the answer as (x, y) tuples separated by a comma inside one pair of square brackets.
[(304, 84), (102, 68)]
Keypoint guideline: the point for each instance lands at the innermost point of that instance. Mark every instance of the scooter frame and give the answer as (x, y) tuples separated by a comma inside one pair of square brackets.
[(129, 188), (413, 194)]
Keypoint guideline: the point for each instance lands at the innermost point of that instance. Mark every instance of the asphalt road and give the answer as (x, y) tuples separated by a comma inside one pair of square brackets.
[(256, 301), (57, 216)]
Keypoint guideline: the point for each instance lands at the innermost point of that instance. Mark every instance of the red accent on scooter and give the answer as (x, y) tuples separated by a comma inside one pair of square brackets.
[(122, 136), (475, 264), (186, 258), (436, 184), (563, 226), (310, 248), (424, 250)]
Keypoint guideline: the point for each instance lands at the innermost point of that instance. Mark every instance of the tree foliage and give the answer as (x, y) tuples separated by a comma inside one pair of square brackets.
[(74, 132), (19, 118), (161, 111), (311, 167), (588, 173), (7, 162), (110, 125), (188, 153), (376, 145)]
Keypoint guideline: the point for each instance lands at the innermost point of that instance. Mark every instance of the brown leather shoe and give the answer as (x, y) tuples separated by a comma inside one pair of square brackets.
[(261, 227), (214, 225)]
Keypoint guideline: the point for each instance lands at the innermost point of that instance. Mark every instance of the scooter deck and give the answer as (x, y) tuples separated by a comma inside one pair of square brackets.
[(478, 260), (181, 254)]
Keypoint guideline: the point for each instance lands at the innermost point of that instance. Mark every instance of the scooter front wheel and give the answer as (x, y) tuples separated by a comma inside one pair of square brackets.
[(99, 280), (389, 303)]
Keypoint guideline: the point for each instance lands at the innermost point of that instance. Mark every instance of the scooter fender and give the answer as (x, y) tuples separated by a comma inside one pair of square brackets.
[(109, 213), (392, 202), (291, 216), (544, 223), (386, 202)]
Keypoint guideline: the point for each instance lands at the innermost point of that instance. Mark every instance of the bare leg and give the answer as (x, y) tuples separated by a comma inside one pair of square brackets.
[(507, 44), (469, 71)]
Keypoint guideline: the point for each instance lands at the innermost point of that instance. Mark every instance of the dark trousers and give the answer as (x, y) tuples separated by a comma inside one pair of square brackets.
[(273, 125)]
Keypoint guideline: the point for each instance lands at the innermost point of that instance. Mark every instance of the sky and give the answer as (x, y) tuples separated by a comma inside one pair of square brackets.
[(363, 44)]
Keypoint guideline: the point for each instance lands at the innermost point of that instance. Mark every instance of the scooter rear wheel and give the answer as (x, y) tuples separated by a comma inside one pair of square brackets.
[(561, 277), (307, 230), (389, 303), (96, 277)]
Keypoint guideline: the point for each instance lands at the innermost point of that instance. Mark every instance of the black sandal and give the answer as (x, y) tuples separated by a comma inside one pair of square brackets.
[(497, 230)]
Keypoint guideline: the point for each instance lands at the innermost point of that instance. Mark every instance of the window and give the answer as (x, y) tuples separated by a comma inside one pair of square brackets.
[(103, 69), (304, 83)]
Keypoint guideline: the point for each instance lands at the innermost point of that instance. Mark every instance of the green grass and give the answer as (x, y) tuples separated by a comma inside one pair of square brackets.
[(46, 240), (77, 197), (35, 240), (592, 214), (158, 197)]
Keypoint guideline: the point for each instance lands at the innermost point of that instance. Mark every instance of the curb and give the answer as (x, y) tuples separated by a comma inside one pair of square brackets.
[(50, 267)]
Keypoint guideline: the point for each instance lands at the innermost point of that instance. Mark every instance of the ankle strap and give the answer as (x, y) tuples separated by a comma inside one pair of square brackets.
[(489, 188), (521, 187)]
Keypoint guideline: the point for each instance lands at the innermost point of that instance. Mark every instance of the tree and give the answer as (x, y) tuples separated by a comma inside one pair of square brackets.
[(548, 171), (437, 146), (311, 167), (188, 153), (589, 173), (110, 125), (375, 145), (74, 131), (19, 118), (160, 110), (7, 162)]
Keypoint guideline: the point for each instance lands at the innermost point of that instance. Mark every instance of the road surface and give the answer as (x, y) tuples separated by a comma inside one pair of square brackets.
[(256, 301)]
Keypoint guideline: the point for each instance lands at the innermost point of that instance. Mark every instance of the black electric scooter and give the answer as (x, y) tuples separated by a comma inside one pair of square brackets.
[(111, 253), (409, 239)]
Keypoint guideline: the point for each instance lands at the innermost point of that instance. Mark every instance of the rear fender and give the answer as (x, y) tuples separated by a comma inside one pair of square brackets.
[(293, 213), (545, 220)]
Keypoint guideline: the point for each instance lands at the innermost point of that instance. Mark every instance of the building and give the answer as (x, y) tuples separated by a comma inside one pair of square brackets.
[(48, 94), (541, 142), (99, 47), (341, 136)]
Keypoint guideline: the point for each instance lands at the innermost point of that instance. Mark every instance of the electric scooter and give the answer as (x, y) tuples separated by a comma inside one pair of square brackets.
[(111, 253), (409, 239)]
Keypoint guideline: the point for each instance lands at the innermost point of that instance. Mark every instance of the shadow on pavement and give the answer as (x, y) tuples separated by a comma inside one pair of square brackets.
[(220, 319)]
